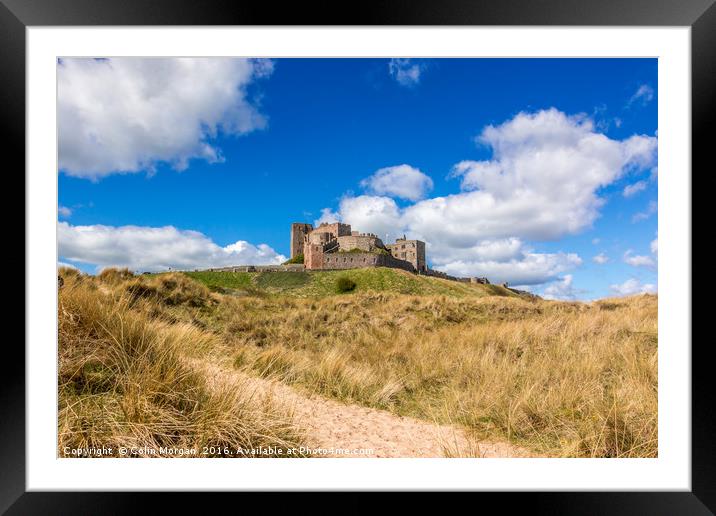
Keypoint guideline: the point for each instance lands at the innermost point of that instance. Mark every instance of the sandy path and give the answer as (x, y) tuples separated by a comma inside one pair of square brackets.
[(366, 432)]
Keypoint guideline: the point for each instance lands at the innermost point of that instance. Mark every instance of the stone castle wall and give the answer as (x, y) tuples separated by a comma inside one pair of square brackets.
[(313, 256), (339, 261), (365, 243), (297, 267), (336, 229), (319, 237)]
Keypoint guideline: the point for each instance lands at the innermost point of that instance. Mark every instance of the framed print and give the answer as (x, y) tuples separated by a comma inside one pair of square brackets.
[(421, 249)]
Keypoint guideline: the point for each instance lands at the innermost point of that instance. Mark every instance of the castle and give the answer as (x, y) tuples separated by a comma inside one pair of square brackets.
[(337, 246)]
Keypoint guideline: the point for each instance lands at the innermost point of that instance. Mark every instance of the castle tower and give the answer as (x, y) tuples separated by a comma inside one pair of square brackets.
[(298, 231), (313, 256), (412, 251)]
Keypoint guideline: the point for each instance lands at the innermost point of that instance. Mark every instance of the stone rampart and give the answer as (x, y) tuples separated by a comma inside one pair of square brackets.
[(359, 260)]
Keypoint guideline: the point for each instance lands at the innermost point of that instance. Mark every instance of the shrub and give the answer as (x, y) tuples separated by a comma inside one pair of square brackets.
[(296, 259), (345, 284)]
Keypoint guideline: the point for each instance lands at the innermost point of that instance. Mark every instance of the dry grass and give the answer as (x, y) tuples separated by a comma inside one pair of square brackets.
[(564, 379), (560, 379), (115, 276), (125, 378)]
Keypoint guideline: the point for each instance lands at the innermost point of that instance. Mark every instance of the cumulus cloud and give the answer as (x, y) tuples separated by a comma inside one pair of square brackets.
[(155, 248), (561, 290), (543, 179), (379, 215), (406, 71), (125, 115), (601, 259), (541, 183), (633, 286), (650, 210), (401, 181), (633, 189), (527, 268), (64, 212), (643, 95), (328, 216), (654, 246), (636, 260), (65, 265), (492, 250)]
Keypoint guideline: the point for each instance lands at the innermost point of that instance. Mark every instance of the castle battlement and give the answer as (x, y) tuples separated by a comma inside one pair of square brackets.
[(366, 249)]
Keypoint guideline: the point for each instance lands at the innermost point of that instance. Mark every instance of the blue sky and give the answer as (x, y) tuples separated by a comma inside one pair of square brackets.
[(540, 172)]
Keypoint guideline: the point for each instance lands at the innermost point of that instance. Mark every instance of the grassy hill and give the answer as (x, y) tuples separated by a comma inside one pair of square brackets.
[(323, 283), (563, 379)]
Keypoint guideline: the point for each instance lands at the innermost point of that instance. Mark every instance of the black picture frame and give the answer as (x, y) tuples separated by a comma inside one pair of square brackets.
[(700, 15)]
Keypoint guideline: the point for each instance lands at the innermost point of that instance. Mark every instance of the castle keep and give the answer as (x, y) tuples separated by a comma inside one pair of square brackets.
[(337, 246)]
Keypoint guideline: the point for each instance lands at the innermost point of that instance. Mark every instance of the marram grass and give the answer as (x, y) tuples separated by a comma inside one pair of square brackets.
[(560, 379)]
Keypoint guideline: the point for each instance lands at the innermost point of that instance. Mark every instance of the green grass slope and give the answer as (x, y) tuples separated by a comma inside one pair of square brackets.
[(324, 283)]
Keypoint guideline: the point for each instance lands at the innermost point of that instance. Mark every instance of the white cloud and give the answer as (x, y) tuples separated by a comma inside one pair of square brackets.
[(601, 259), (489, 250), (541, 184), (561, 290), (401, 181), (379, 215), (125, 115), (527, 268), (633, 189), (633, 286), (638, 260), (543, 179), (65, 265), (406, 71), (328, 216), (651, 208), (596, 241), (155, 248), (654, 246), (644, 94), (64, 212)]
